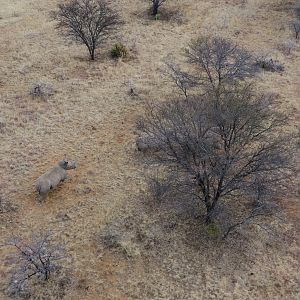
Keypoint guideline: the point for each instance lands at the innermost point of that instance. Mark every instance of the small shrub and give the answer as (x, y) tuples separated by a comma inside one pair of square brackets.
[(114, 237), (119, 51), (41, 90), (269, 64), (213, 230), (157, 17), (287, 47), (36, 260)]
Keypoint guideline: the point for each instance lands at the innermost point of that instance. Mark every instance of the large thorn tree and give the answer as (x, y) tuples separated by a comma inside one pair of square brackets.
[(90, 22)]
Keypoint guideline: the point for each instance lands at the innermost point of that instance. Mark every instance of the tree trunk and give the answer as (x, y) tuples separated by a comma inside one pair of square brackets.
[(92, 54), (209, 210), (155, 9), (210, 207), (208, 219)]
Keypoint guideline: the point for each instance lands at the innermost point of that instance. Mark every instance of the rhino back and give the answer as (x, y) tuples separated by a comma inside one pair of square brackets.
[(52, 177)]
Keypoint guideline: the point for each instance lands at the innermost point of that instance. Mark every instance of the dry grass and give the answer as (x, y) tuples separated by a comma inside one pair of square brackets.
[(91, 118)]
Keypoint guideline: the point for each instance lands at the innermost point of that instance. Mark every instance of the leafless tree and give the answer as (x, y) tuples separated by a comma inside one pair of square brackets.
[(297, 11), (37, 259), (155, 5), (296, 28), (183, 80), (90, 22), (225, 145), (218, 61)]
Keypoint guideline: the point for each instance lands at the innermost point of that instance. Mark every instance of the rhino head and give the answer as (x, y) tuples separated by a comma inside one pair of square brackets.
[(67, 165)]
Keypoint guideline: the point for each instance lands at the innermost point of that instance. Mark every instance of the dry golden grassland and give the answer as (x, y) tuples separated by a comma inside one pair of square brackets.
[(91, 118)]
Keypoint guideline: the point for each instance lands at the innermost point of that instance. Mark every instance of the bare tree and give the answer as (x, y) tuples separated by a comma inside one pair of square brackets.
[(155, 5), (90, 22), (223, 144), (37, 259), (297, 11), (296, 28), (219, 61), (183, 80)]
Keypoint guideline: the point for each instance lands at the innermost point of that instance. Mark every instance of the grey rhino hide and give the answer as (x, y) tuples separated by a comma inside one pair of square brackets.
[(53, 177)]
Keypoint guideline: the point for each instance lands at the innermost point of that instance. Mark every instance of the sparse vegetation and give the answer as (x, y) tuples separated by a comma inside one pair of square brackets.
[(268, 64), (213, 230), (119, 51), (296, 28), (131, 218), (90, 22), (37, 259), (159, 188), (41, 90), (288, 47)]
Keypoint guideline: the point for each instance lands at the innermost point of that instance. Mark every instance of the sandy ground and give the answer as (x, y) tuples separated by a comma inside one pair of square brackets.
[(91, 118)]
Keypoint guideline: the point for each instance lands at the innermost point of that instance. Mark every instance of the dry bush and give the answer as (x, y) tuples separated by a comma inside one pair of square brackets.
[(35, 261), (41, 90), (295, 26), (268, 64), (89, 22), (119, 236), (119, 51), (132, 234), (287, 47), (159, 187)]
